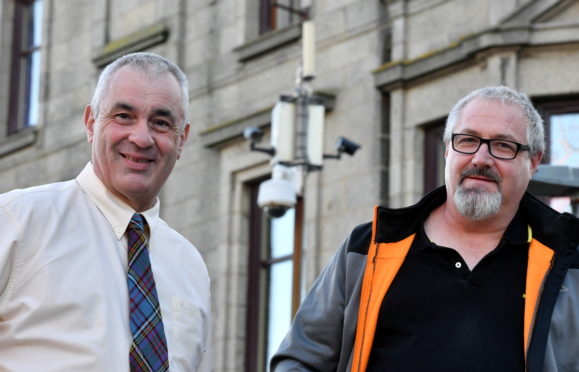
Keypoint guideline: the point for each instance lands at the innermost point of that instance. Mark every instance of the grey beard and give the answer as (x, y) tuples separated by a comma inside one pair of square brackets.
[(477, 204)]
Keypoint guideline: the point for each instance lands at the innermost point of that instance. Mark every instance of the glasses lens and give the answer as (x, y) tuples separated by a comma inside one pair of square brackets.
[(465, 143), (503, 149)]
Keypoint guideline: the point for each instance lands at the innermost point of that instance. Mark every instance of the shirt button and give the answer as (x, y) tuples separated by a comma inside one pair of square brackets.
[(458, 265)]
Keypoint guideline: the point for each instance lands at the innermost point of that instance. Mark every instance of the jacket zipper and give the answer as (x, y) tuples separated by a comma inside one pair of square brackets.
[(359, 361)]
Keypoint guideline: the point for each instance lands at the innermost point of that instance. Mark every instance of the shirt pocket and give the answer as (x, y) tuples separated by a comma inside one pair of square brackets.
[(188, 334)]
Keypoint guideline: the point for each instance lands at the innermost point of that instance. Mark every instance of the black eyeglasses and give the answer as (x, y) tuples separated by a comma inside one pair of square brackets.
[(498, 148)]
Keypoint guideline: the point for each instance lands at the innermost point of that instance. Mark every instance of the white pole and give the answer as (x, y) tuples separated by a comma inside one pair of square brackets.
[(308, 50)]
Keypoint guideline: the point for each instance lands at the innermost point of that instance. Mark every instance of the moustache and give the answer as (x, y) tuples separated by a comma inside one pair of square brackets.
[(482, 172)]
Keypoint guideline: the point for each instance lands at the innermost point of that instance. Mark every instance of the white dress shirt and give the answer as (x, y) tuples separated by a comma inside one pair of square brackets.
[(63, 282)]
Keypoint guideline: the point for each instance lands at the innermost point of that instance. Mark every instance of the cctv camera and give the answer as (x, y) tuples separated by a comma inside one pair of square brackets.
[(345, 145), (253, 134), (276, 196), (276, 211)]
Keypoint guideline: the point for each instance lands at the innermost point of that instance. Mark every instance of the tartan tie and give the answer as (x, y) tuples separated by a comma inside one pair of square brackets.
[(149, 347)]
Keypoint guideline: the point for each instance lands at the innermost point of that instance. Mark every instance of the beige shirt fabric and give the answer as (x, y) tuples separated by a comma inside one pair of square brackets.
[(63, 282)]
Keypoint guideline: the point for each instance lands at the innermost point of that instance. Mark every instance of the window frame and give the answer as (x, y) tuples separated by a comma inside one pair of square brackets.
[(270, 12), (259, 265), (261, 38), (18, 111), (550, 106), (433, 167)]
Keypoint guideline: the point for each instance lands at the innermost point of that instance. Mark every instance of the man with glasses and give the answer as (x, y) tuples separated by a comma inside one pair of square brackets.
[(478, 276)]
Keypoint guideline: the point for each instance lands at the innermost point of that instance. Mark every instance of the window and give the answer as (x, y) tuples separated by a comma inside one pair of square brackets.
[(25, 73), (434, 155), (271, 25), (274, 281), (275, 14), (561, 116), (387, 45)]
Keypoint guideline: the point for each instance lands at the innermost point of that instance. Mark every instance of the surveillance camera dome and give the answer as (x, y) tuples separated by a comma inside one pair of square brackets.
[(276, 196), (276, 211)]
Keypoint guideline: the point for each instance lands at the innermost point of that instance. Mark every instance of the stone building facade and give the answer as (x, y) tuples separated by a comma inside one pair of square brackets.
[(390, 71)]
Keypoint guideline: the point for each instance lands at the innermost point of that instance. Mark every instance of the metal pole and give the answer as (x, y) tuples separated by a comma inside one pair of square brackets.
[(303, 94)]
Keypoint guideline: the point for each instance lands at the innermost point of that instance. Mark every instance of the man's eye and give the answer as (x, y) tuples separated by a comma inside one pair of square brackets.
[(123, 117), (505, 145), (468, 140), (162, 124)]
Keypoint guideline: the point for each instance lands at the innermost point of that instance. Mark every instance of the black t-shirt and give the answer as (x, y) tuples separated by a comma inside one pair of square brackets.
[(440, 316)]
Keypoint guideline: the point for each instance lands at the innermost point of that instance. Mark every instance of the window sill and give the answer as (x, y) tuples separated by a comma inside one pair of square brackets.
[(268, 42), (18, 140), (138, 41)]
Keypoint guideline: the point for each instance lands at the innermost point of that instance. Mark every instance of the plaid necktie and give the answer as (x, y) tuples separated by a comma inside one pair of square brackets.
[(149, 348)]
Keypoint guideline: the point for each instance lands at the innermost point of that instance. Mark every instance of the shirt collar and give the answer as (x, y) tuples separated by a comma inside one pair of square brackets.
[(517, 233), (117, 212)]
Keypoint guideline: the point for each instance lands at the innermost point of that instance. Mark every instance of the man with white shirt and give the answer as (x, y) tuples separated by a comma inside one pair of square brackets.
[(91, 278)]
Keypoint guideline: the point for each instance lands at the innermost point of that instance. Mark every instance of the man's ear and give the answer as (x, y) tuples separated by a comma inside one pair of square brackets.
[(89, 123), (182, 139), (535, 161)]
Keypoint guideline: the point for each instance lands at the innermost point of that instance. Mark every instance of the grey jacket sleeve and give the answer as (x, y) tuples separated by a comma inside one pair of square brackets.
[(322, 334), (563, 342)]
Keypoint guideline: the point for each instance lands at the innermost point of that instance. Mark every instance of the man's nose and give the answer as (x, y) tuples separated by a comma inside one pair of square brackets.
[(483, 156), (141, 134)]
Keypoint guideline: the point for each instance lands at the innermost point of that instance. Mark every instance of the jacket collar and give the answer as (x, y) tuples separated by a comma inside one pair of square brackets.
[(396, 224), (545, 223)]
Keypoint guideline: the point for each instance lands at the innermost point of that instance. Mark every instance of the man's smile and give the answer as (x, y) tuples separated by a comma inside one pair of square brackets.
[(137, 162)]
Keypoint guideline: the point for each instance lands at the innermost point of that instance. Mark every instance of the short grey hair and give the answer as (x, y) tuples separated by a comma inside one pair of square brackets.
[(151, 64), (535, 129)]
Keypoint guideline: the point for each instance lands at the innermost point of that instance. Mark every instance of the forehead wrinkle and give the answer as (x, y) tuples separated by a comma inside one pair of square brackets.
[(161, 111), (123, 105), (164, 112), (161, 105), (155, 102), (513, 119), (498, 136)]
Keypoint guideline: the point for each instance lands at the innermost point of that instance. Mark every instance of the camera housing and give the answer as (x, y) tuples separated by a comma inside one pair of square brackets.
[(345, 145), (278, 194), (253, 134), (276, 197)]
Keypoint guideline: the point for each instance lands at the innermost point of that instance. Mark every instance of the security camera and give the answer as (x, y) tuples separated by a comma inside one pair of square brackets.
[(276, 197), (345, 145), (253, 134), (278, 194)]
